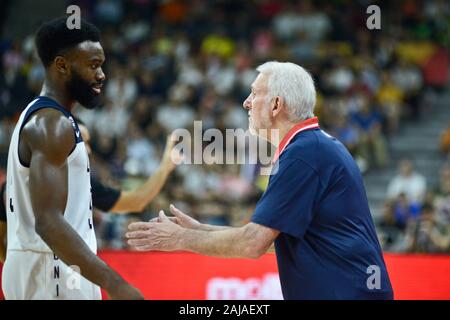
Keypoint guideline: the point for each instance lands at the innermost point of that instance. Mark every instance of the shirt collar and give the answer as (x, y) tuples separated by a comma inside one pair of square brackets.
[(308, 124)]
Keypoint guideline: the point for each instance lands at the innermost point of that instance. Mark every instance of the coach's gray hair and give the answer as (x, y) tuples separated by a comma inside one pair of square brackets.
[(294, 84)]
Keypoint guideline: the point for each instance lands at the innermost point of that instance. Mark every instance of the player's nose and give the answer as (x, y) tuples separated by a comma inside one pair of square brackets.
[(100, 76)]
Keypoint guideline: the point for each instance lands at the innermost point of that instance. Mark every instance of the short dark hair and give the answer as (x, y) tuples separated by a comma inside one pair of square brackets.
[(53, 36)]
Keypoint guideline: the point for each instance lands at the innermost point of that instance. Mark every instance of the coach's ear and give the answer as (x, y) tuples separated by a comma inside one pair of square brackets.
[(61, 65), (277, 104)]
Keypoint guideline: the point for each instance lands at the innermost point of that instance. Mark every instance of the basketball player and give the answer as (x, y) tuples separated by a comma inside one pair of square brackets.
[(48, 192), (110, 199)]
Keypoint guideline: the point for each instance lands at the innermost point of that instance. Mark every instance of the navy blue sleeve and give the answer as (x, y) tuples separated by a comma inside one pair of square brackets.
[(289, 201), (103, 198), (2, 202)]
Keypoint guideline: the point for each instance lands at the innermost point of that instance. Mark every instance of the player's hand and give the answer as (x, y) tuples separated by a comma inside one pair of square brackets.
[(172, 156), (163, 236), (125, 292)]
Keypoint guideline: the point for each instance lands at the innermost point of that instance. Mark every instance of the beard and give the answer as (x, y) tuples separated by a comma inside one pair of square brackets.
[(251, 127), (261, 128), (81, 91)]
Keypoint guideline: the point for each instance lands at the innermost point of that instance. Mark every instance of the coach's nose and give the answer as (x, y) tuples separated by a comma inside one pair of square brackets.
[(246, 104)]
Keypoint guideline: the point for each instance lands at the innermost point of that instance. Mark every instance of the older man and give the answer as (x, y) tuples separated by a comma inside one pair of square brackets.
[(315, 207)]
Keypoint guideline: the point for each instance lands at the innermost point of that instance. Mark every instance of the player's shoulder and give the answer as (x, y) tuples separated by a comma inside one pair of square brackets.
[(49, 129)]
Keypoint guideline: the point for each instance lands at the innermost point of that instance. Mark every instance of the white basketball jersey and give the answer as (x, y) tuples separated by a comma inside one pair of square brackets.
[(78, 212)]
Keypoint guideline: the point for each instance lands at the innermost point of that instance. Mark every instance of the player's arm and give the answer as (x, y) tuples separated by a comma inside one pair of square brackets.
[(249, 241), (49, 137), (136, 200)]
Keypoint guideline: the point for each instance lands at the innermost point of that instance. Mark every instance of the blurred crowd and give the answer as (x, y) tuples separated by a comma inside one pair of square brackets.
[(416, 217), (169, 63)]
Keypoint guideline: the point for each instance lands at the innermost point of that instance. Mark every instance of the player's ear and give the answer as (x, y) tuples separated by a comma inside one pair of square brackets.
[(62, 65)]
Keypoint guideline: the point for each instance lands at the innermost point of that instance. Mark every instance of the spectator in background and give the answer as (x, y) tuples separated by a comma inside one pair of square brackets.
[(408, 78), (442, 200), (398, 214), (369, 124), (404, 211), (122, 89), (445, 141), (177, 106), (108, 115), (390, 97), (108, 11), (428, 234), (344, 131), (407, 181), (142, 157)]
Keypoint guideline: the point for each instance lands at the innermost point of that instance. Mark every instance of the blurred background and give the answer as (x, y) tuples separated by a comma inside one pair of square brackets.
[(384, 93)]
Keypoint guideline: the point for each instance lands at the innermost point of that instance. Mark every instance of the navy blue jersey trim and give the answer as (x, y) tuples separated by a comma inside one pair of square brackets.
[(43, 102), (46, 102)]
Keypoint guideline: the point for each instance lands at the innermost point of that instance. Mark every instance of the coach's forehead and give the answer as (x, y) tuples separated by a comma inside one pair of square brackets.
[(261, 81)]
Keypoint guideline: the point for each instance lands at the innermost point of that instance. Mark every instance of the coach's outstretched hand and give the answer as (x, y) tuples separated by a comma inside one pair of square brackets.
[(162, 235), (181, 218)]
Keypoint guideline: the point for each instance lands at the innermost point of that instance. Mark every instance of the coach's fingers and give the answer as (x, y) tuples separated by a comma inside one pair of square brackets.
[(143, 248), (136, 235), (177, 213), (157, 219), (138, 242), (138, 226), (162, 217)]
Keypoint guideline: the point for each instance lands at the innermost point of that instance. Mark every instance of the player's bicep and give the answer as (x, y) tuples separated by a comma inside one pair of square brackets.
[(50, 138), (48, 186)]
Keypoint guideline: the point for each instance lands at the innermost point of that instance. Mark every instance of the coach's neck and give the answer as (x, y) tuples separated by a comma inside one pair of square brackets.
[(279, 130)]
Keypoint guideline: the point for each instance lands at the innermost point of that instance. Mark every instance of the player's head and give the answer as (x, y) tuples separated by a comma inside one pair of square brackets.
[(74, 57), (281, 90)]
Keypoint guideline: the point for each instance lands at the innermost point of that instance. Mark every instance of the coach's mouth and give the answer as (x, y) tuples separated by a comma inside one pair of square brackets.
[(97, 88)]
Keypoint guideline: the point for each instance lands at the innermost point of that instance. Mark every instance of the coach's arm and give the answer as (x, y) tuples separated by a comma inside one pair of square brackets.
[(249, 241), (47, 140)]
